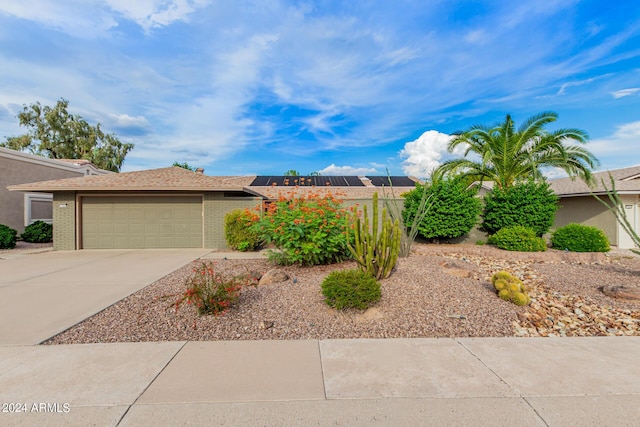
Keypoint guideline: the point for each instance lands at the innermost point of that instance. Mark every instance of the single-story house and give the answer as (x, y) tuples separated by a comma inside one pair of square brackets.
[(171, 207), (17, 210), (577, 203)]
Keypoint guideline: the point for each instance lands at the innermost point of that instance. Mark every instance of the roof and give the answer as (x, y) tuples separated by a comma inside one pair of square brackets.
[(76, 165), (167, 179), (627, 181), (179, 179)]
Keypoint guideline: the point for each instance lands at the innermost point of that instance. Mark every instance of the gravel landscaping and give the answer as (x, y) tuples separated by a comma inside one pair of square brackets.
[(439, 291)]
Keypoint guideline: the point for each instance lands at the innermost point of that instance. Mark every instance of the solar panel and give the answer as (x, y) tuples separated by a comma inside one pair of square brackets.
[(319, 181), (396, 181)]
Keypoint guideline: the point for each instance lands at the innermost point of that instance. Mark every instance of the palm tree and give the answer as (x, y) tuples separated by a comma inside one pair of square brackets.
[(508, 155)]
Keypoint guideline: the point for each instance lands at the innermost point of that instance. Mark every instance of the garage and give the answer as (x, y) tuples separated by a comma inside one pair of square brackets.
[(110, 222)]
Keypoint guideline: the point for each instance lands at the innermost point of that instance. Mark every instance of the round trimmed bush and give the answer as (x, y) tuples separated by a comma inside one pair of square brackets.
[(453, 211), (518, 238), (350, 289), (38, 232), (529, 204), (7, 237), (580, 238), (239, 234)]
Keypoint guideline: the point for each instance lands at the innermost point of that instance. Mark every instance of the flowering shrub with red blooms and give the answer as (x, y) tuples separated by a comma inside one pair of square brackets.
[(209, 291), (308, 229), (238, 232)]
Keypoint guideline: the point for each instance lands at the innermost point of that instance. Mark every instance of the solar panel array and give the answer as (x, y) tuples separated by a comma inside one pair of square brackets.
[(396, 181), (307, 181)]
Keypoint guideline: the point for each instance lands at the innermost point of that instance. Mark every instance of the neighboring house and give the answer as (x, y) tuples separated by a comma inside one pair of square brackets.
[(577, 203), (17, 210), (170, 207)]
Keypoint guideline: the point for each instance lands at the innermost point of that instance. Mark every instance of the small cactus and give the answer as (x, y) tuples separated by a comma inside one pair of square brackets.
[(510, 288)]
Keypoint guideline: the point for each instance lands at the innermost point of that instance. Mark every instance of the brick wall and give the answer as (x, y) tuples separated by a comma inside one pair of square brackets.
[(216, 206), (64, 221)]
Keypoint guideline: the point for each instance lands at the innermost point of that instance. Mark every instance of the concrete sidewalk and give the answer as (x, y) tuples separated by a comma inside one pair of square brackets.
[(44, 294), (394, 382)]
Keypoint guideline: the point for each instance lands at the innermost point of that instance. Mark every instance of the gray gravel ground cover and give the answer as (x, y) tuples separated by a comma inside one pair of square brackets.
[(439, 291)]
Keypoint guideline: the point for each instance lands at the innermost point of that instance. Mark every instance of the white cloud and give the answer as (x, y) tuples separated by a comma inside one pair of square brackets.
[(625, 92), (618, 148), (347, 170), (91, 18), (156, 13), (425, 153)]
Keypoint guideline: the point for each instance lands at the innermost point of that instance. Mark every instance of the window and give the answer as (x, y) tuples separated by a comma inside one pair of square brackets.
[(38, 207)]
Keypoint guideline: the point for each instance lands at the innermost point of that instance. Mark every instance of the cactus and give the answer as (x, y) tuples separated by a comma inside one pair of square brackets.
[(375, 251), (510, 288)]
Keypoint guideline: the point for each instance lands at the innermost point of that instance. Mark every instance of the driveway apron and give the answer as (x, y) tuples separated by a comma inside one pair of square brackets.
[(44, 294)]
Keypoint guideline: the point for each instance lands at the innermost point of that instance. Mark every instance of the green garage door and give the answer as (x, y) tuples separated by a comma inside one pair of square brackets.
[(120, 222)]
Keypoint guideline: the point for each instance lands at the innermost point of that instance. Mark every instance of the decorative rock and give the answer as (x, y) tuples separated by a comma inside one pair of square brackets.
[(266, 324), (273, 276), (622, 291)]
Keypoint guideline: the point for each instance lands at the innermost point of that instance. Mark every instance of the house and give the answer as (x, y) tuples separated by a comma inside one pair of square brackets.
[(577, 203), (173, 207), (17, 210)]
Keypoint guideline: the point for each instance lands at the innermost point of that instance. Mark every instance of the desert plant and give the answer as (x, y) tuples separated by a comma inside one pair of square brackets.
[(38, 232), (580, 238), (307, 230), (616, 207), (238, 230), (376, 252), (210, 291), (529, 204), (518, 238), (7, 237), (350, 289), (408, 231), (510, 288), (453, 212)]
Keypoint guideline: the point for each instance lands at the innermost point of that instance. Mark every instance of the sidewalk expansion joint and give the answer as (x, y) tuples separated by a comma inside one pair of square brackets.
[(324, 385), (151, 382), (520, 395)]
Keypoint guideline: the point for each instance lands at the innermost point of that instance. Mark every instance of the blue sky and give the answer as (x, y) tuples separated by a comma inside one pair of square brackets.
[(260, 87)]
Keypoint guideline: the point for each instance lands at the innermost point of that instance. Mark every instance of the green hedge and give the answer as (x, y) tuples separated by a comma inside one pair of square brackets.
[(38, 232), (518, 238), (350, 289), (453, 213), (7, 237), (530, 204), (580, 238)]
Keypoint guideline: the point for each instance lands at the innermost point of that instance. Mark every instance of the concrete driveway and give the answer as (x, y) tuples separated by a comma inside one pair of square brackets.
[(43, 294)]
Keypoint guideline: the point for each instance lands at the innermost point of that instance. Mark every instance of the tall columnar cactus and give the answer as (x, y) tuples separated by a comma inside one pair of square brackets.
[(376, 251)]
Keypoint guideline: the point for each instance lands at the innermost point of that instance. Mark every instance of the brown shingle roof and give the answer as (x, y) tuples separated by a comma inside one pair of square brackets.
[(627, 180), (169, 179)]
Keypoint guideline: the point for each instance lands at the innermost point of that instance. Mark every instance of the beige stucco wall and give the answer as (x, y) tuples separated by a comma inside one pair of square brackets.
[(64, 221), (216, 206), (20, 172), (586, 210)]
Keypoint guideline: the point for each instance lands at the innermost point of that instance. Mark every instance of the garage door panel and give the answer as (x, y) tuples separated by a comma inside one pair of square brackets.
[(141, 222)]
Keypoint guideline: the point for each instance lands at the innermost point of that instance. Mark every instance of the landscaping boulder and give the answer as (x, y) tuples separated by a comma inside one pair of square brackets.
[(273, 276), (622, 291)]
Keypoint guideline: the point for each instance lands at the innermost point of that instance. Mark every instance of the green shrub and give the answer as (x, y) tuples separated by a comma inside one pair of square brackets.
[(518, 238), (350, 289), (238, 230), (210, 291), (38, 232), (453, 213), (580, 238), (510, 288), (7, 237), (308, 230), (530, 204)]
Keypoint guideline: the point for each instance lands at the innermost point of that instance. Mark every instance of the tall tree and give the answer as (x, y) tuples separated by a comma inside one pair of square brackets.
[(184, 165), (507, 155), (292, 172), (55, 133)]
